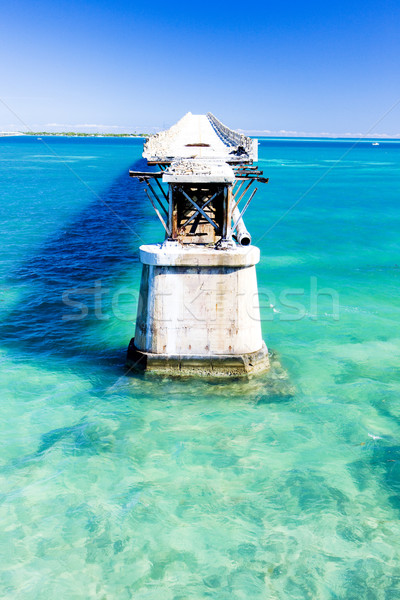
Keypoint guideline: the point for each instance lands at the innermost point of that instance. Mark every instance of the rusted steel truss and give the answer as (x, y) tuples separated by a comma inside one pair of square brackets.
[(201, 205), (250, 172)]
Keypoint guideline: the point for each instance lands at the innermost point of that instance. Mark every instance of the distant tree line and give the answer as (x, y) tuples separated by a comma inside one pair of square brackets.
[(80, 134)]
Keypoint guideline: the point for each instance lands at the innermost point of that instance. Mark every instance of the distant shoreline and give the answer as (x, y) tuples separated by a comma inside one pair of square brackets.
[(70, 134), (146, 135), (81, 134)]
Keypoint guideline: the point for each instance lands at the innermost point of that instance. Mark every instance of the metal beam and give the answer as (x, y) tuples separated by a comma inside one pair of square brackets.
[(204, 205), (145, 174), (244, 209), (241, 195), (158, 199), (238, 189), (170, 208), (158, 213), (162, 189), (200, 210)]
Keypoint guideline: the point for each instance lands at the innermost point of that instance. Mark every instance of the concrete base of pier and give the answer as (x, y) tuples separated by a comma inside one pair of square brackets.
[(198, 311), (221, 366)]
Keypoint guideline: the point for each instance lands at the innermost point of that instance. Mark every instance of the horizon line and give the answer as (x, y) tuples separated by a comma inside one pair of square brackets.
[(99, 129)]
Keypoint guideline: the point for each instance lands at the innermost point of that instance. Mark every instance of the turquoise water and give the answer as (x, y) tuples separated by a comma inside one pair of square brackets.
[(120, 487)]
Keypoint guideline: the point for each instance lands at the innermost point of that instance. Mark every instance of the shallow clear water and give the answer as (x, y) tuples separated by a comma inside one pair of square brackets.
[(120, 487)]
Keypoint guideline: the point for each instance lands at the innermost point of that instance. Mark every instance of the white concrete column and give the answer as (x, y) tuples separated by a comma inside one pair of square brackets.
[(198, 301)]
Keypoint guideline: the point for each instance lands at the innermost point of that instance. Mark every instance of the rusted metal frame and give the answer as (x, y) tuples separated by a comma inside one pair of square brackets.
[(225, 226), (145, 174), (234, 185), (246, 172), (158, 213), (162, 190), (158, 199), (238, 189), (242, 195), (229, 201), (204, 205), (253, 174), (200, 210), (195, 223), (244, 209), (170, 209), (256, 178), (239, 160)]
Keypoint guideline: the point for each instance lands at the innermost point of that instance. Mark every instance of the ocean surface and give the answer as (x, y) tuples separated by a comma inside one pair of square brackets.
[(120, 487)]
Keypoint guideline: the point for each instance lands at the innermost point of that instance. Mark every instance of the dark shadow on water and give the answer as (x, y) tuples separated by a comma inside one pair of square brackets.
[(84, 438), (382, 462), (100, 242)]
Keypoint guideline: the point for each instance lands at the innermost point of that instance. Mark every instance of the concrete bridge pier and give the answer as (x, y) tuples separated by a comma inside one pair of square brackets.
[(198, 310)]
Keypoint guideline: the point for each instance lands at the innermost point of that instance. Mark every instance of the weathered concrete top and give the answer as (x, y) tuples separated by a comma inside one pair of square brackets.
[(174, 255), (188, 171), (200, 137)]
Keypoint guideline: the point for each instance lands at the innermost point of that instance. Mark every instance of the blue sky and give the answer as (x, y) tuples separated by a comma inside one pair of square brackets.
[(309, 67)]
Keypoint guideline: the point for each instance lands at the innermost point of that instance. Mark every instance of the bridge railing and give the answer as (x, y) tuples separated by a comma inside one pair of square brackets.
[(230, 136)]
